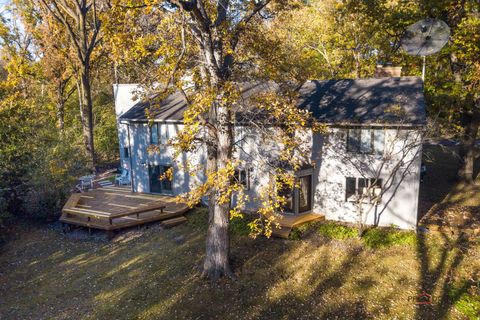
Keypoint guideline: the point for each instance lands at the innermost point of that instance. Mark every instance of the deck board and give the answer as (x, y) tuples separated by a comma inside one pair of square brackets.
[(113, 208)]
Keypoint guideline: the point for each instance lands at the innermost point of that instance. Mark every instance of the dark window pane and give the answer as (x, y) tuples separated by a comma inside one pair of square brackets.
[(353, 140), (126, 153), (350, 190), (154, 134)]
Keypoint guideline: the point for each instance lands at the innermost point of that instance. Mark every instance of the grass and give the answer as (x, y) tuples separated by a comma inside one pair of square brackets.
[(154, 274), (151, 273)]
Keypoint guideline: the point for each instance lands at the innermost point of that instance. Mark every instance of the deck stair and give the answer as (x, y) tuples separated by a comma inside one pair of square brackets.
[(173, 222), (288, 222)]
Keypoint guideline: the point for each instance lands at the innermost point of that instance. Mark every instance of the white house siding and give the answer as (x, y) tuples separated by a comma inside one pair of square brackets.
[(398, 205), (142, 159)]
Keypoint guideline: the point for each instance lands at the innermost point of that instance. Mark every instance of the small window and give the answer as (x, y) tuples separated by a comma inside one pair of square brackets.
[(366, 141), (166, 183), (242, 176), (126, 153), (154, 134), (369, 190)]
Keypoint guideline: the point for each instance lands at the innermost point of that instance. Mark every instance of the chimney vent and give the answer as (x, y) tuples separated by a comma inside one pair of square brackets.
[(387, 71)]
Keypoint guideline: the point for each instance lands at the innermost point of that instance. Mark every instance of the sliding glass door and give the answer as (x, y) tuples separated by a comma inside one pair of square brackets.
[(305, 194), (159, 183), (298, 200)]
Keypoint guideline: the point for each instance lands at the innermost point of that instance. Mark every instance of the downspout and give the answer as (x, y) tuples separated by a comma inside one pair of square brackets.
[(131, 155)]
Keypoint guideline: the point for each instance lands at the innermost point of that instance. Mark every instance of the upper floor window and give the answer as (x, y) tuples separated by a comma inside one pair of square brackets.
[(366, 141), (126, 153), (160, 133), (154, 134)]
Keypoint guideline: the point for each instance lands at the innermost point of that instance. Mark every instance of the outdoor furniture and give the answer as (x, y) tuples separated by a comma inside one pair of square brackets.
[(86, 181), (123, 178)]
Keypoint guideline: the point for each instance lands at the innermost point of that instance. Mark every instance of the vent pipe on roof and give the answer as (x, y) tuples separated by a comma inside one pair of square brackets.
[(383, 71)]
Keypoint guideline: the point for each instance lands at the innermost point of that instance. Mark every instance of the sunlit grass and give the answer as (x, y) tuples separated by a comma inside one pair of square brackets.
[(154, 274)]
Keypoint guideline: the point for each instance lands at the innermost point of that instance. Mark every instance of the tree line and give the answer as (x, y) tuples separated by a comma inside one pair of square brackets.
[(60, 57)]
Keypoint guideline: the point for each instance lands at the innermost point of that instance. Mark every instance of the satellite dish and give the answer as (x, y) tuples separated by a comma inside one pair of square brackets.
[(424, 38)]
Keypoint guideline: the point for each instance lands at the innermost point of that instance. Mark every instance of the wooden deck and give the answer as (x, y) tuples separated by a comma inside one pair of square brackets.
[(113, 208), (288, 222)]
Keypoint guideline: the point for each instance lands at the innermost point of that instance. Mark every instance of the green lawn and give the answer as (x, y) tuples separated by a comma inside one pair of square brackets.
[(153, 274)]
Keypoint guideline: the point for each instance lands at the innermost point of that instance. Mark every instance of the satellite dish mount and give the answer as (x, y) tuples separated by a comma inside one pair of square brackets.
[(424, 38)]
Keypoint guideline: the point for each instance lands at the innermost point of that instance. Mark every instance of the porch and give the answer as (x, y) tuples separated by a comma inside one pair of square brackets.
[(112, 208)]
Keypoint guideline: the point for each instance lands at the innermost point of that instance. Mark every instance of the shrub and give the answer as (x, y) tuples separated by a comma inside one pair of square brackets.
[(385, 237), (333, 230)]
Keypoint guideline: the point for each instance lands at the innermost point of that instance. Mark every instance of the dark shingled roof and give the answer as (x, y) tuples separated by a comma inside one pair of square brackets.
[(361, 101), (365, 101)]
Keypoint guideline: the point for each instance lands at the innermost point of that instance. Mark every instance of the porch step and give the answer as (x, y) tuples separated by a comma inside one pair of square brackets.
[(282, 232), (287, 223), (173, 222)]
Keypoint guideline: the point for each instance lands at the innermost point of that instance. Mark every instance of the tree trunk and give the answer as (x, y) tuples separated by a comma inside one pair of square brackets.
[(61, 106), (468, 148), (217, 263), (87, 115)]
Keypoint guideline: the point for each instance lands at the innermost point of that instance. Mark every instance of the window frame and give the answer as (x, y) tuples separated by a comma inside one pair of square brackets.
[(126, 153), (366, 183), (357, 149)]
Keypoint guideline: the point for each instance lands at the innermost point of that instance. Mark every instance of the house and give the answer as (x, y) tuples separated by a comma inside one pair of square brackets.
[(366, 167)]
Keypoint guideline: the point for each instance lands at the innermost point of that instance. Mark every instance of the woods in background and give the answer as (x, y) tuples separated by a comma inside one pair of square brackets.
[(59, 58)]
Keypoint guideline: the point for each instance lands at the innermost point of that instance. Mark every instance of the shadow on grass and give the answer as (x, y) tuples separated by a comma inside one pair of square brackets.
[(438, 267), (154, 275)]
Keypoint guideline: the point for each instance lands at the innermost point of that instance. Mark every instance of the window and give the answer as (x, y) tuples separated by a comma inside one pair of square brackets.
[(242, 176), (366, 141), (164, 133), (126, 153), (368, 190), (240, 135), (154, 134)]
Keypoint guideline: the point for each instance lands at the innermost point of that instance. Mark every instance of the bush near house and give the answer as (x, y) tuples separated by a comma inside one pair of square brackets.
[(371, 238)]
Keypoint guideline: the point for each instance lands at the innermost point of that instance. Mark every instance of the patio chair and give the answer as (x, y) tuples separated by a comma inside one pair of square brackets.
[(124, 178)]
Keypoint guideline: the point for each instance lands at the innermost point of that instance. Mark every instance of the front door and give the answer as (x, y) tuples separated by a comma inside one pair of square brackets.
[(154, 173)]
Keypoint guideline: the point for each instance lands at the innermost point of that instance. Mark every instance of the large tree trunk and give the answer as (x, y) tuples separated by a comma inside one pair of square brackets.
[(87, 115), (468, 148), (217, 263)]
